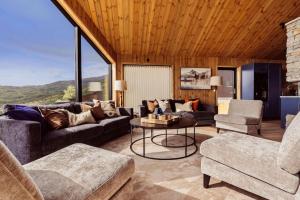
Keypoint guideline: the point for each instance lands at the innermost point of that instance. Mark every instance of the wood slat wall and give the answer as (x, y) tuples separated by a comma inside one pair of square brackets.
[(206, 96)]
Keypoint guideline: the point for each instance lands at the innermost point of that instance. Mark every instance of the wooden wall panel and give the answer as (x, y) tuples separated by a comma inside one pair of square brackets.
[(206, 96)]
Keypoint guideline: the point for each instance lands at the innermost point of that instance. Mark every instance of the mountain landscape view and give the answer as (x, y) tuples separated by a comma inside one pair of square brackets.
[(43, 94)]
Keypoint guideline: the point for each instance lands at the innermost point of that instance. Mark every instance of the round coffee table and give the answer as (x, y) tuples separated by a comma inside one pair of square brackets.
[(183, 123)]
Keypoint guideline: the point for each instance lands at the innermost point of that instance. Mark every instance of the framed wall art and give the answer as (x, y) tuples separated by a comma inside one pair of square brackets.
[(195, 78)]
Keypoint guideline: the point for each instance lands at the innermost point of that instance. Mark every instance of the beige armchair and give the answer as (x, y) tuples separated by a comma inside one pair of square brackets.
[(243, 116), (267, 168)]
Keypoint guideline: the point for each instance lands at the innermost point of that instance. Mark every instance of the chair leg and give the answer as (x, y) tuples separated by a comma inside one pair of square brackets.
[(206, 180), (258, 132), (218, 130)]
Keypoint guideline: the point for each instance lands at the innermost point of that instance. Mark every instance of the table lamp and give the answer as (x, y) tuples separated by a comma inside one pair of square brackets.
[(120, 86), (215, 81)]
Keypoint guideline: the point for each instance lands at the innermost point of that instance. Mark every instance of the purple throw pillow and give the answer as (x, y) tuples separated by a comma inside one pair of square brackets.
[(20, 112)]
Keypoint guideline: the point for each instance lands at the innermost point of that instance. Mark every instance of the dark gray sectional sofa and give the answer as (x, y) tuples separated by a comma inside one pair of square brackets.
[(28, 142), (204, 115)]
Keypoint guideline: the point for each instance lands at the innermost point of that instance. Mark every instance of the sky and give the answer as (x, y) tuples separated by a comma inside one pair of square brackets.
[(37, 45)]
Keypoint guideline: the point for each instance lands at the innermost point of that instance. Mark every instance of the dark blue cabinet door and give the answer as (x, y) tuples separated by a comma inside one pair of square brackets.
[(273, 76), (248, 81), (274, 90)]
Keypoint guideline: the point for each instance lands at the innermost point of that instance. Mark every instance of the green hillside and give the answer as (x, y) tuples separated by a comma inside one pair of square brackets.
[(40, 94)]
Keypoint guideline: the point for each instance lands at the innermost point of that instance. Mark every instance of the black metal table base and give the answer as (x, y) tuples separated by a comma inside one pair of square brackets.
[(185, 146), (172, 146)]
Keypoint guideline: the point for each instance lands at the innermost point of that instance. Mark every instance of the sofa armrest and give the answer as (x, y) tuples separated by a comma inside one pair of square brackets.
[(209, 108), (125, 112), (23, 138), (143, 111)]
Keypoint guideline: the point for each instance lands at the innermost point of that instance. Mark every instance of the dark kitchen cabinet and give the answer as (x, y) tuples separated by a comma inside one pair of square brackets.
[(262, 81)]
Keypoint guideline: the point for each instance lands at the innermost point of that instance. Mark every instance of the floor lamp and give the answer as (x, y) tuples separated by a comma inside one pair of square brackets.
[(215, 81), (120, 86)]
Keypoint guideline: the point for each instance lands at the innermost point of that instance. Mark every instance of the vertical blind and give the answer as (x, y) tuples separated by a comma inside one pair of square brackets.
[(147, 82)]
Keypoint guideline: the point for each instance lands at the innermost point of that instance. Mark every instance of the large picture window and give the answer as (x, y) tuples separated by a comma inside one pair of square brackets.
[(36, 53), (95, 74), (37, 57)]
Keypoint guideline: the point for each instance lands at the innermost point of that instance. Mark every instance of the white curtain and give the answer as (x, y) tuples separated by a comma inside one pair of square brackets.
[(147, 82)]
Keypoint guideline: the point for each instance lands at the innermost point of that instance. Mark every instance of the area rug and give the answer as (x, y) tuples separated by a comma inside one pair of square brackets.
[(174, 179)]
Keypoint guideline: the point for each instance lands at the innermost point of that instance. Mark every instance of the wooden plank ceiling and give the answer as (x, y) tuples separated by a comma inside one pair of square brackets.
[(223, 28)]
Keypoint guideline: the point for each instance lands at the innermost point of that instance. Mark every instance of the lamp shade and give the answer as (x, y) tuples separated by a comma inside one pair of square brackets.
[(216, 81), (120, 85), (94, 86)]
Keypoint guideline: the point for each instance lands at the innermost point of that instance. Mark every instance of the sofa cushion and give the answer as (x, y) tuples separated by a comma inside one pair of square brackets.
[(236, 119), (15, 181), (243, 181), (249, 108), (58, 139), (240, 128), (84, 131), (80, 171), (250, 155), (114, 123), (289, 156), (198, 115)]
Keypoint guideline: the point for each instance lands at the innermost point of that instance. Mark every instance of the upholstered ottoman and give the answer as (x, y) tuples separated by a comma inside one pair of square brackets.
[(77, 172)]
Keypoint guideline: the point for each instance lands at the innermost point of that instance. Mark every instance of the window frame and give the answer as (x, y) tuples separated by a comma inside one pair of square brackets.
[(78, 57)]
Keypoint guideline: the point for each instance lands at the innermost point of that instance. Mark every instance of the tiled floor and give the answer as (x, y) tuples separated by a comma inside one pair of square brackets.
[(181, 179)]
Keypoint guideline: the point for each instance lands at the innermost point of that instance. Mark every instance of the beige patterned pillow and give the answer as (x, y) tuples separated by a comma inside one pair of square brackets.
[(96, 110), (184, 107), (108, 107), (81, 118)]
